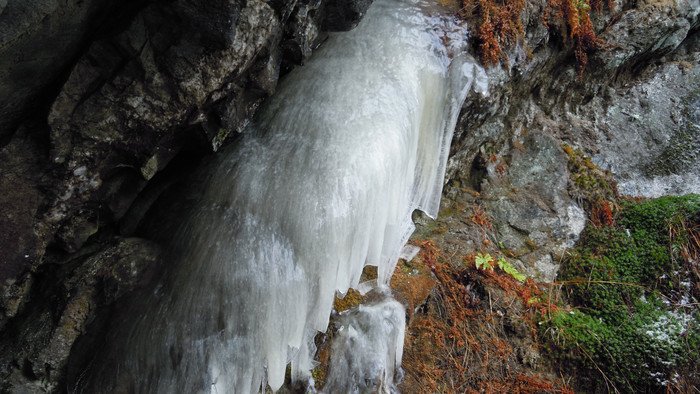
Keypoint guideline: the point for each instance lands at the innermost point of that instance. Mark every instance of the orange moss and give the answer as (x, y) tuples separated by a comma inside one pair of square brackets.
[(569, 150), (501, 169), (576, 15), (519, 146), (602, 213), (457, 343), (352, 299), (481, 219), (412, 284), (498, 26), (320, 373)]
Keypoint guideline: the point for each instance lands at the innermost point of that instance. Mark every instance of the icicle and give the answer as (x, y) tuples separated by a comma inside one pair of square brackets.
[(323, 183), (367, 349)]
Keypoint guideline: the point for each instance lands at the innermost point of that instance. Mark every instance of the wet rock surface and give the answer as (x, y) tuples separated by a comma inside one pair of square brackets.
[(126, 99)]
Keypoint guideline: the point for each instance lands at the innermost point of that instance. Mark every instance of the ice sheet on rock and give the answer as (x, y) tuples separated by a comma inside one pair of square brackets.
[(409, 252), (367, 349), (321, 184)]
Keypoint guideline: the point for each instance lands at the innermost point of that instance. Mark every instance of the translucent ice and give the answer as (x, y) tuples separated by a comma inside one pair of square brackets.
[(367, 349), (321, 184)]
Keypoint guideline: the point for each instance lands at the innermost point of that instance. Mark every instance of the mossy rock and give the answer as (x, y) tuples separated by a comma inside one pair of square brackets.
[(636, 324)]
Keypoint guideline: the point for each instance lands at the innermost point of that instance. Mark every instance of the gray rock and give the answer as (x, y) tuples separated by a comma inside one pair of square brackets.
[(20, 246), (42, 340), (302, 32), (344, 15), (39, 39), (120, 116), (534, 216), (649, 31), (634, 112), (177, 79), (650, 134)]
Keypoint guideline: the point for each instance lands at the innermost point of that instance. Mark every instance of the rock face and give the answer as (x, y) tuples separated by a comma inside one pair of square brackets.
[(105, 106), (634, 112), (39, 39)]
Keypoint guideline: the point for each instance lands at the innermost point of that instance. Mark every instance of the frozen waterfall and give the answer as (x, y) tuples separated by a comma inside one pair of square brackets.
[(323, 183)]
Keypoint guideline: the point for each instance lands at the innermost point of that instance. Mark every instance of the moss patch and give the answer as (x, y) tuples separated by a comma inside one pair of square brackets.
[(587, 182), (636, 325)]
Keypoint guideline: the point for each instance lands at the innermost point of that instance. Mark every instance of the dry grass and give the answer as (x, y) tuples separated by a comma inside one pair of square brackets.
[(474, 331), (498, 27)]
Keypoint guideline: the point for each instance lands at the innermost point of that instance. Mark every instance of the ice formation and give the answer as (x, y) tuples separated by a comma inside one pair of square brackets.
[(323, 183), (367, 349)]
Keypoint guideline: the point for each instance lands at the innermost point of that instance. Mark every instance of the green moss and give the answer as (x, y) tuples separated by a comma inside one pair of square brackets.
[(587, 182), (636, 354), (625, 280), (680, 155), (319, 375), (352, 299), (220, 137)]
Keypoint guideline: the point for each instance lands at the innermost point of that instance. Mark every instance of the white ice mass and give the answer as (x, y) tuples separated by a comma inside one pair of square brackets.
[(322, 183)]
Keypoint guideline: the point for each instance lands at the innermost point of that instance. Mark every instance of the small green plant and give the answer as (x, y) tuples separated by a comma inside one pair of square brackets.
[(486, 261), (458, 342), (510, 270)]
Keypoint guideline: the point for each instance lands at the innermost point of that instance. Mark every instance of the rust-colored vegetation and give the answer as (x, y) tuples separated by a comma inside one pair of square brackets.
[(473, 331), (481, 219), (685, 234), (576, 15), (602, 213), (498, 26), (412, 283)]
